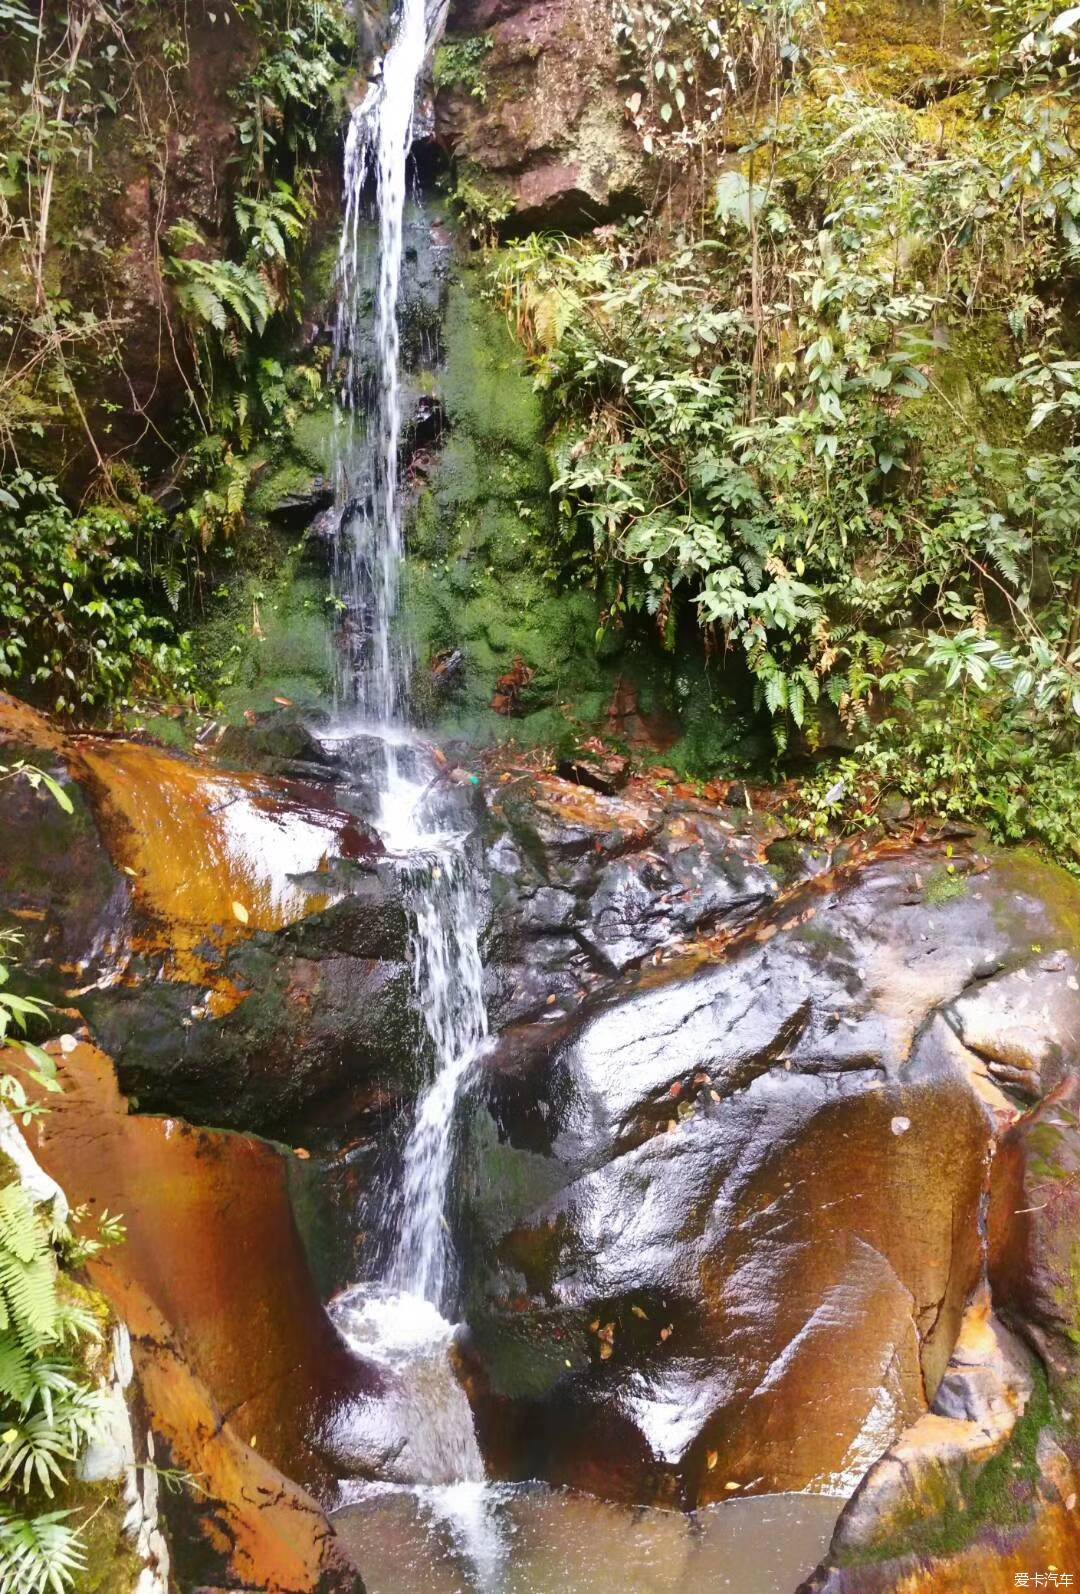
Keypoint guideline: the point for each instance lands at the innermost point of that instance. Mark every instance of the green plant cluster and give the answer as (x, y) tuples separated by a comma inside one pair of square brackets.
[(460, 63), (239, 307), (75, 631), (761, 418), (98, 581), (50, 1404)]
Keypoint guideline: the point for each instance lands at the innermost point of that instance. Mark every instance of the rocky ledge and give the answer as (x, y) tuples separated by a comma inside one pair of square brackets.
[(768, 1181)]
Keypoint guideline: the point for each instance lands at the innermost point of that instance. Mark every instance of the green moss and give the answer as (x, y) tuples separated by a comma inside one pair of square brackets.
[(1000, 1494), (312, 441), (945, 885), (476, 578), (485, 389), (958, 405), (1029, 876), (896, 45), (112, 1563), (269, 632)]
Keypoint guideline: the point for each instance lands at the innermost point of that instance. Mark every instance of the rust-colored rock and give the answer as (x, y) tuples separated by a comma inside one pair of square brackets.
[(998, 1557), (986, 1389), (1034, 1228), (236, 1359), (214, 856)]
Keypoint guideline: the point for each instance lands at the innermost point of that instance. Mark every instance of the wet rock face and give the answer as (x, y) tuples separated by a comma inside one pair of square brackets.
[(1034, 1225), (547, 130), (235, 940), (239, 1366), (726, 1177), (584, 886)]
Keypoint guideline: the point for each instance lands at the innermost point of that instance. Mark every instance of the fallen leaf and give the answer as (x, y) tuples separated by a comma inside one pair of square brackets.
[(304, 1156), (240, 912), (129, 870), (665, 1333), (605, 1351), (711, 1459), (638, 1312), (732, 1485), (285, 702)]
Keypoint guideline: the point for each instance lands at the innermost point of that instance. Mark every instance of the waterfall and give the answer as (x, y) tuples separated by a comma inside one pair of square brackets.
[(447, 975), (435, 872), (370, 538), (425, 826)]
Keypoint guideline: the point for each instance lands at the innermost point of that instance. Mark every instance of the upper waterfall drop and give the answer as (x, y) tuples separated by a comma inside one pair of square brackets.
[(367, 471)]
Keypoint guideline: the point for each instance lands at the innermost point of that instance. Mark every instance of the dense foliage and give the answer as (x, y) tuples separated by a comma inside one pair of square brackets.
[(829, 408), (96, 577), (49, 1402)]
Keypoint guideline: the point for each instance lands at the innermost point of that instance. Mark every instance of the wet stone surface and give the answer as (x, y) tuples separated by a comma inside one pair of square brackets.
[(722, 1180)]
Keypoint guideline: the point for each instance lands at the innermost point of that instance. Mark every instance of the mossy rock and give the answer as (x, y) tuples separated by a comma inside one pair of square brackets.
[(486, 391), (898, 46), (270, 632)]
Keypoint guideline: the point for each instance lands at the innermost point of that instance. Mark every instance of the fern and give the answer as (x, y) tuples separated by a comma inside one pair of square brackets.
[(39, 1554), (197, 297), (34, 1448), (28, 1302)]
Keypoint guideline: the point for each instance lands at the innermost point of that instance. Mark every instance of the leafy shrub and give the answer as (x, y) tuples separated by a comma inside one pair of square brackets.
[(75, 630), (461, 63), (752, 425)]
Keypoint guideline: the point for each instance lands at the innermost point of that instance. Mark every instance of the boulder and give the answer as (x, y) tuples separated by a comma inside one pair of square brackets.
[(238, 1364), (235, 939), (586, 885), (723, 1212), (1034, 1229), (540, 123)]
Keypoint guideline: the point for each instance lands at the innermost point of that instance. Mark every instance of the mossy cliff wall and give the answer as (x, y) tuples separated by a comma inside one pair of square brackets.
[(475, 576)]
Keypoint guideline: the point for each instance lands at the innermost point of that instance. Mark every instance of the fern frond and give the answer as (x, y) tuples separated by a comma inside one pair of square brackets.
[(39, 1555)]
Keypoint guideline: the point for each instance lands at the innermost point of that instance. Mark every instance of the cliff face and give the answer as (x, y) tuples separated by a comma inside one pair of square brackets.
[(529, 103)]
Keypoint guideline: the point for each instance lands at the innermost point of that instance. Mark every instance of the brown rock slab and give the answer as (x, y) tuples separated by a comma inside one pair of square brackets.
[(607, 774), (550, 131), (236, 1359)]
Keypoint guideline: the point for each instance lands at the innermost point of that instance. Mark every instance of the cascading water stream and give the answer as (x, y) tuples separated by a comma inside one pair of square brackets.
[(436, 880), (369, 541), (398, 1319)]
